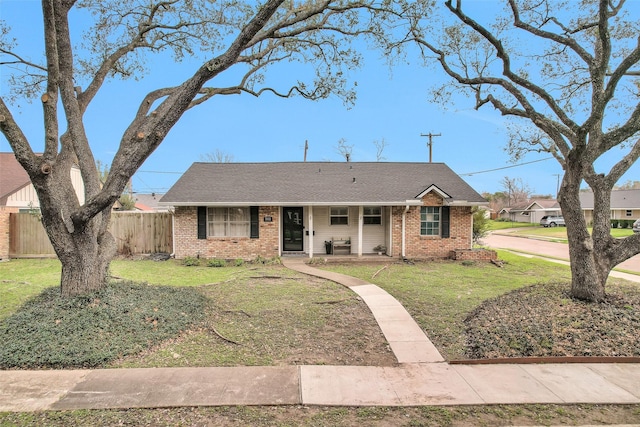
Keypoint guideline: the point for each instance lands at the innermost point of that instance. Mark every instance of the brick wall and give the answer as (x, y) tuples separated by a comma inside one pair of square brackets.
[(4, 230), (426, 247), (188, 244), (474, 255)]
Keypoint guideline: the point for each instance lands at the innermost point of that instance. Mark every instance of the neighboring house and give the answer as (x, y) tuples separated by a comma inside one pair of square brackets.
[(531, 211), (625, 204), (149, 202), (16, 189), (246, 210), (17, 194)]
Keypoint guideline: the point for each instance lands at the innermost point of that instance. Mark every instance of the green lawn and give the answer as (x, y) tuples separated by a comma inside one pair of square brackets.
[(501, 225), (21, 279), (559, 234), (528, 229), (439, 295)]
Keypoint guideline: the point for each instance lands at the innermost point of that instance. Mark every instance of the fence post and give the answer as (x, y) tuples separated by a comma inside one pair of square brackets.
[(5, 213)]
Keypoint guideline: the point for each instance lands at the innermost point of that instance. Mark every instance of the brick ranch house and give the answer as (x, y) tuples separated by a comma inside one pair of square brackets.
[(246, 210)]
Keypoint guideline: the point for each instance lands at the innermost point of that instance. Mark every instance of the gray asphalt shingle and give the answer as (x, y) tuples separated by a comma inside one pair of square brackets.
[(315, 183)]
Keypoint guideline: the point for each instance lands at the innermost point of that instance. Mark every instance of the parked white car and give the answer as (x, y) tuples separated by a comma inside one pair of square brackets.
[(636, 226), (552, 221)]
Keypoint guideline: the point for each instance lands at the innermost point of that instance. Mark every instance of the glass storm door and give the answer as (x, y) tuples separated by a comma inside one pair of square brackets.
[(292, 229)]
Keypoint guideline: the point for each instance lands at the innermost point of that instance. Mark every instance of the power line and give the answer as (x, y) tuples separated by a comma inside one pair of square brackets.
[(506, 167)]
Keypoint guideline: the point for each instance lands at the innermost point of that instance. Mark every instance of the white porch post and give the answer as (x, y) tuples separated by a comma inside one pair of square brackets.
[(310, 210), (390, 225), (404, 229), (360, 222)]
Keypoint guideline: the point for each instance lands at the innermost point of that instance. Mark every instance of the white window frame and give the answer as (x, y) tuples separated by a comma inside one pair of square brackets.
[(425, 220), (373, 213), (228, 223), (628, 213), (339, 213)]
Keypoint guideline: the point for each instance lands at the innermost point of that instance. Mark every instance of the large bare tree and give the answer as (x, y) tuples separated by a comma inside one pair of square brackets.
[(566, 72), (227, 34)]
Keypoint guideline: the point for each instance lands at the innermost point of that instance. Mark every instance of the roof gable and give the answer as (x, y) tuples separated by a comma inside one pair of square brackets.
[(13, 177), (435, 189), (316, 183)]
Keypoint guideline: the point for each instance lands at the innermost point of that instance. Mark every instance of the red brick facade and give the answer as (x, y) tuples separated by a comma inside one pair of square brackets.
[(426, 247), (474, 255), (188, 244), (267, 245), (4, 230)]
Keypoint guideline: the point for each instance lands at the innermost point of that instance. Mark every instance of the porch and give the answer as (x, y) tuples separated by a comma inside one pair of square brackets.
[(336, 231), (341, 258)]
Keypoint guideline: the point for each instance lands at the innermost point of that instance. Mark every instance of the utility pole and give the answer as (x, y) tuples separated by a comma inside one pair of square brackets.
[(557, 175), (306, 148), (430, 143)]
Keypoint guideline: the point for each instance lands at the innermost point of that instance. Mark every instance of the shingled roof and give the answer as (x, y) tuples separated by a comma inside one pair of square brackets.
[(620, 199), (13, 177), (317, 183)]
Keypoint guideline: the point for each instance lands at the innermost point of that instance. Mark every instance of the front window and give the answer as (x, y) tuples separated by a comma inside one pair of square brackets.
[(228, 222), (372, 215), (629, 213), (339, 216), (429, 221)]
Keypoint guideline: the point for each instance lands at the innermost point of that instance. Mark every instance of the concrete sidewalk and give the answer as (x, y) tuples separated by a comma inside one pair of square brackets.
[(404, 385), (421, 377)]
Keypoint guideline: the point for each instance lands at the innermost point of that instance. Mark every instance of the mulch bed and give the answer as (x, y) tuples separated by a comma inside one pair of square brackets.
[(544, 321)]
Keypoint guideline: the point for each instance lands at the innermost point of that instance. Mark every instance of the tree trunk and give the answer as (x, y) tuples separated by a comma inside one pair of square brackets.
[(86, 267), (589, 266), (84, 248)]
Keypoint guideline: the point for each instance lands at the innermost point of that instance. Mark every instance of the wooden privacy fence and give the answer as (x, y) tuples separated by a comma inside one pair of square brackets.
[(135, 233)]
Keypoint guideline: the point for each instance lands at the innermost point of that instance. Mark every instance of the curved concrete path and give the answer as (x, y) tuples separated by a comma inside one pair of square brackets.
[(407, 340), (421, 377)]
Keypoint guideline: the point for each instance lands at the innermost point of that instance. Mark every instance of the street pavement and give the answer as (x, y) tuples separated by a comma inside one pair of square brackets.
[(553, 250), (421, 377)]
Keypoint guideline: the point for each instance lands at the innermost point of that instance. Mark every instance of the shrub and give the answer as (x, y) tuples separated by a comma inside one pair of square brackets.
[(614, 223), (92, 330), (265, 261), (480, 224), (628, 223), (190, 261), (239, 262), (216, 262)]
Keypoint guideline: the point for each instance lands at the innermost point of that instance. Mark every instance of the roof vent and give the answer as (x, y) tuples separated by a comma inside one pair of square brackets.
[(354, 179)]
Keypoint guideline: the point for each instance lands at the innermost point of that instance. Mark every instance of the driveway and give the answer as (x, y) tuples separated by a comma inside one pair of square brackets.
[(502, 240)]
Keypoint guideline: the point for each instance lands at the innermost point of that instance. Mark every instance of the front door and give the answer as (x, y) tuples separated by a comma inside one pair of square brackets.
[(292, 229)]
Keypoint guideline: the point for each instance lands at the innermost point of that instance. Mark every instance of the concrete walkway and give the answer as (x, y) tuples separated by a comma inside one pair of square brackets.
[(421, 377)]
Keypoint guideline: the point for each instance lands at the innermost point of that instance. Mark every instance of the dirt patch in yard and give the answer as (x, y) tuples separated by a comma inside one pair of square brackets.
[(276, 317)]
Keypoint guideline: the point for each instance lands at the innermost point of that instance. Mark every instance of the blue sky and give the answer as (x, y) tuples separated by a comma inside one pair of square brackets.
[(393, 104)]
